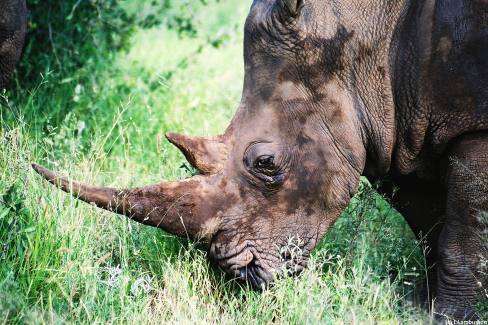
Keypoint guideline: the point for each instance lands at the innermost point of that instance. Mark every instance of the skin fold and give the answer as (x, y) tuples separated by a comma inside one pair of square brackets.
[(392, 90)]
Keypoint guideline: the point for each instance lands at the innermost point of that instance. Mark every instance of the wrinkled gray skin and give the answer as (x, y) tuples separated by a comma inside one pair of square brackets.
[(393, 90), (13, 14)]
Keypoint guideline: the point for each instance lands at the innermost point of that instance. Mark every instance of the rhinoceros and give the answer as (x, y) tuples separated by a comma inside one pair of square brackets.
[(333, 90), (13, 25)]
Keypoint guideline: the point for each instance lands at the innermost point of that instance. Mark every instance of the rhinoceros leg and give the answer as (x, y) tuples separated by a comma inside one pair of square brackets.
[(463, 243), (422, 204)]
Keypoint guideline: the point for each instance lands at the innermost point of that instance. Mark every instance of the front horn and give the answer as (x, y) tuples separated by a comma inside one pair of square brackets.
[(170, 206)]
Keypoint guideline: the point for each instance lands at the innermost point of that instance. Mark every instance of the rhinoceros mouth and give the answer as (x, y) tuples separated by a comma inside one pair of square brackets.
[(255, 275), (261, 277), (243, 262), (249, 264)]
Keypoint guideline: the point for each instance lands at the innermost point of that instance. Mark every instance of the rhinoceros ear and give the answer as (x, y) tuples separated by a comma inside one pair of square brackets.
[(292, 6), (205, 154)]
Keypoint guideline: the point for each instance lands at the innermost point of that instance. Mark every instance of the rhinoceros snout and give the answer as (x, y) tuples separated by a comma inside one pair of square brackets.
[(263, 278), (243, 263), (257, 266)]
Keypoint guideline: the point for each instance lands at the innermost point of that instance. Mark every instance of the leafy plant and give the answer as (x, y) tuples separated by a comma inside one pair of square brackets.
[(15, 229)]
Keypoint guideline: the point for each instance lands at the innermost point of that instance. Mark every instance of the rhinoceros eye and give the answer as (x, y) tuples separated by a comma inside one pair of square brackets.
[(265, 162)]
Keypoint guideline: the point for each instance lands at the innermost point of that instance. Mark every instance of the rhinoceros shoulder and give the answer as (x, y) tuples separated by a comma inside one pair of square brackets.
[(441, 81)]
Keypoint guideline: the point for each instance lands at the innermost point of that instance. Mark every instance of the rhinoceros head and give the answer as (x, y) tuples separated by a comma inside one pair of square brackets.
[(275, 181)]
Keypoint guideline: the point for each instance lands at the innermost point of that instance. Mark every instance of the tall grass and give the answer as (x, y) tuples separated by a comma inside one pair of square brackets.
[(65, 261)]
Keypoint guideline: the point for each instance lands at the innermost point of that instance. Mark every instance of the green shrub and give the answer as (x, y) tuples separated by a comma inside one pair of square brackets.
[(65, 35), (71, 43)]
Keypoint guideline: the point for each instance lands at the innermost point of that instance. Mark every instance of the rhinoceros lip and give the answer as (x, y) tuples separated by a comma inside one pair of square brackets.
[(259, 275), (246, 263), (253, 274)]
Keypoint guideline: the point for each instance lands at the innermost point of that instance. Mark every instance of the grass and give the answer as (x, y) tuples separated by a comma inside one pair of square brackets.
[(62, 261)]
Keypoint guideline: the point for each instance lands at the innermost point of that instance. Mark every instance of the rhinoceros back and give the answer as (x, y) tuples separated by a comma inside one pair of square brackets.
[(12, 33)]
